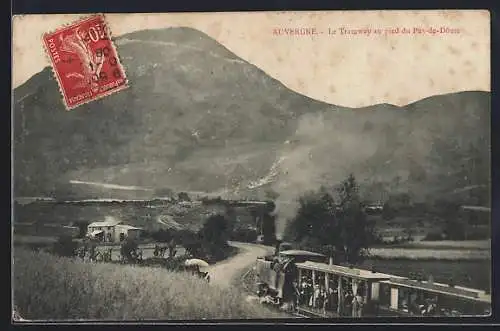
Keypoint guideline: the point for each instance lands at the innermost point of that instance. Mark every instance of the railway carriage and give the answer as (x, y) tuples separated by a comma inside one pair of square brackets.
[(408, 297), (303, 281)]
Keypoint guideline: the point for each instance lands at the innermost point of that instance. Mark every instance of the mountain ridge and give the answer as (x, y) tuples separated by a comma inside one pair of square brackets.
[(195, 122)]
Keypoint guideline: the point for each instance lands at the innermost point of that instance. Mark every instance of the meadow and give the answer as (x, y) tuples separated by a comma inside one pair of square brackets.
[(448, 244), (453, 250), (419, 253), (55, 288)]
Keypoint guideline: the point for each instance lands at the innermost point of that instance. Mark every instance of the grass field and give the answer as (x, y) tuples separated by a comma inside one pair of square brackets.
[(26, 239), (465, 250), (449, 244), (430, 254), (49, 287)]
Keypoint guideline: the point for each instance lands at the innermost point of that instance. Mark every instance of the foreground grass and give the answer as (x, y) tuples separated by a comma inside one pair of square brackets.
[(50, 287)]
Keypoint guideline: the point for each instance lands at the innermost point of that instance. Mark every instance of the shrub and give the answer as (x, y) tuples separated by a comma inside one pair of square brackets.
[(245, 235), (162, 235), (128, 249), (65, 246), (183, 196)]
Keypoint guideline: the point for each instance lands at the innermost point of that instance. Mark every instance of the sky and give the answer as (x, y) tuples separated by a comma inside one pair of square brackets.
[(342, 69)]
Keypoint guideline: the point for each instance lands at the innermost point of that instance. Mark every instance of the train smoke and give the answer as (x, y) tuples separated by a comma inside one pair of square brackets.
[(320, 153)]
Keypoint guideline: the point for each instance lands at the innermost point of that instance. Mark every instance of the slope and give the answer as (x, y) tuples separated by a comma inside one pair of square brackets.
[(198, 118)]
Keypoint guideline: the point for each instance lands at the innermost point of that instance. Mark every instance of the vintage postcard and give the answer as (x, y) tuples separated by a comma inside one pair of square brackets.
[(215, 166)]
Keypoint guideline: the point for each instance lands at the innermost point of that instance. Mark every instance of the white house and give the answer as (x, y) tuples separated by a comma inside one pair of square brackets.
[(112, 230)]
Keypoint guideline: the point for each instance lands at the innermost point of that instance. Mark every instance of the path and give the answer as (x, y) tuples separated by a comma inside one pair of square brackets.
[(227, 271)]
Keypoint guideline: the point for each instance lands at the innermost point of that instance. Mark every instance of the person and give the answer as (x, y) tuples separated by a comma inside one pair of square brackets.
[(303, 290), (317, 293), (360, 301), (431, 309), (348, 301), (355, 306), (334, 299)]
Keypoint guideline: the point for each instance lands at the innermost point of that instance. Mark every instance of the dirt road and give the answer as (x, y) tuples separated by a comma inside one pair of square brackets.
[(227, 272)]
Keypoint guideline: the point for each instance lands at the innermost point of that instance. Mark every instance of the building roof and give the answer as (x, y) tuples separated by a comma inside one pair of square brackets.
[(129, 227), (108, 221), (344, 271), (294, 252), (457, 291), (93, 233)]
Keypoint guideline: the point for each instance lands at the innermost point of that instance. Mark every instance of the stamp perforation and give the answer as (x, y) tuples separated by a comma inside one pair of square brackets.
[(55, 73)]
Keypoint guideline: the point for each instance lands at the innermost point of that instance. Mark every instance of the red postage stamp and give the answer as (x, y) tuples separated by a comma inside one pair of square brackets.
[(85, 61)]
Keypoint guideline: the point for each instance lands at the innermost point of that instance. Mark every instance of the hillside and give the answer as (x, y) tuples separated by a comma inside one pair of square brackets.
[(198, 118)]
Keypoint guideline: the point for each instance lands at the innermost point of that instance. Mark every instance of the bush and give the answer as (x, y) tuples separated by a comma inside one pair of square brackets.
[(433, 236), (82, 229), (56, 288), (65, 246), (163, 236), (183, 196), (128, 249), (245, 235)]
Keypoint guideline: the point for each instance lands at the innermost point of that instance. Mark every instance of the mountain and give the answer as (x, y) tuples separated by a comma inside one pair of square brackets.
[(198, 118)]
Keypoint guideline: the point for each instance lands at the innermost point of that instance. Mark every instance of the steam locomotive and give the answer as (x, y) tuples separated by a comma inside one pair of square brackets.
[(276, 273)]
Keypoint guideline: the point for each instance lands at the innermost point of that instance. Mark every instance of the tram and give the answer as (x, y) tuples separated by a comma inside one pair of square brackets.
[(306, 284)]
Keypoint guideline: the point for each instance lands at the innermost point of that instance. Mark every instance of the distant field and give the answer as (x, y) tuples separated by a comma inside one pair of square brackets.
[(430, 253), (49, 287), (444, 250), (26, 239), (449, 244)]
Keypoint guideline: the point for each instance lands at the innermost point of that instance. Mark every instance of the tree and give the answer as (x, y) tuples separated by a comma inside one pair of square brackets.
[(454, 227), (216, 230), (269, 228), (82, 228), (193, 244), (183, 196), (341, 228), (315, 219), (387, 212), (356, 232), (163, 236), (128, 250)]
